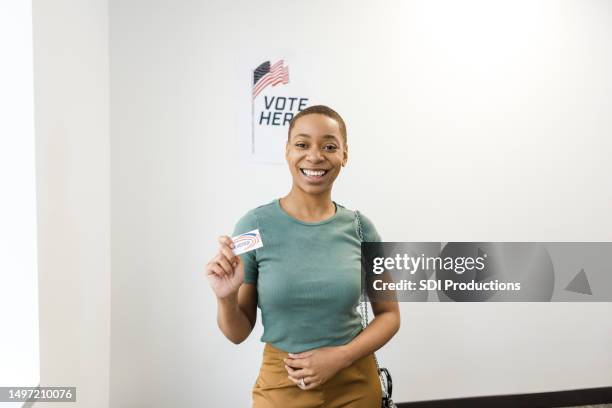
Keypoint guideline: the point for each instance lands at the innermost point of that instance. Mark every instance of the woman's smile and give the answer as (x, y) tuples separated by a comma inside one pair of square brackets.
[(314, 175)]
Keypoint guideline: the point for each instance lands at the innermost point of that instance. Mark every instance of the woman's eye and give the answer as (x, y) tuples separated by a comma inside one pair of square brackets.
[(300, 145), (331, 147)]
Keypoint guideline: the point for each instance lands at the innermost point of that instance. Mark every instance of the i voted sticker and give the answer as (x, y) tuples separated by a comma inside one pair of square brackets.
[(247, 242)]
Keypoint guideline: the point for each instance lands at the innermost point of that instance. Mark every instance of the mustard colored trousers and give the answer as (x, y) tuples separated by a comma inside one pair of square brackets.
[(357, 386)]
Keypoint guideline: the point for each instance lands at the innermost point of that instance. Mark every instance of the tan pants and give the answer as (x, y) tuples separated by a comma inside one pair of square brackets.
[(357, 386)]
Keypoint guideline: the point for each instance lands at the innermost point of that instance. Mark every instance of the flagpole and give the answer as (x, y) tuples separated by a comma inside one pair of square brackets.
[(252, 117)]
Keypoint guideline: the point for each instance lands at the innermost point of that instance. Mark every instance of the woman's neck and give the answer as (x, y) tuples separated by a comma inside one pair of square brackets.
[(308, 207)]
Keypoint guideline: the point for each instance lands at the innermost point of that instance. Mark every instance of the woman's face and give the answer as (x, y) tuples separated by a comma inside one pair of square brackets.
[(315, 153)]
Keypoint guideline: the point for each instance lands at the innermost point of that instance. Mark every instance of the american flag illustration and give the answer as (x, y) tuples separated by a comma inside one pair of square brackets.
[(266, 74)]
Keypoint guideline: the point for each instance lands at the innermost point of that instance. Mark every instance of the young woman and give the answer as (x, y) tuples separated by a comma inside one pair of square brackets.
[(306, 279)]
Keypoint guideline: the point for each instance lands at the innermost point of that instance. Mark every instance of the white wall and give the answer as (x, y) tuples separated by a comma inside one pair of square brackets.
[(19, 335), (469, 120), (71, 80)]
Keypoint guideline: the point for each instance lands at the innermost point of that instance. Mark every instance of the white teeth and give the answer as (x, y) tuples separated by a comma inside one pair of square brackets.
[(314, 172)]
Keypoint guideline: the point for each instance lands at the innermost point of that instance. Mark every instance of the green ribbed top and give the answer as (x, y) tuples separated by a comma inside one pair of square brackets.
[(308, 276)]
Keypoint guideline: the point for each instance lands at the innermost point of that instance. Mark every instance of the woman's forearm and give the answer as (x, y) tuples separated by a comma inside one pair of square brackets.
[(375, 335), (232, 321)]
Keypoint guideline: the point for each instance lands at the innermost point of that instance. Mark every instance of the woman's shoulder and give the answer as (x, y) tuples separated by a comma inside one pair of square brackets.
[(370, 233), (249, 220)]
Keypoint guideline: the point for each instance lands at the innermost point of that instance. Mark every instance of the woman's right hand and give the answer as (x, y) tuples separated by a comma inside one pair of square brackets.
[(225, 271)]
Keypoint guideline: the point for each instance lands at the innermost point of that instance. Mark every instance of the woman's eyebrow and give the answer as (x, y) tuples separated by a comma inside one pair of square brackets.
[(324, 136)]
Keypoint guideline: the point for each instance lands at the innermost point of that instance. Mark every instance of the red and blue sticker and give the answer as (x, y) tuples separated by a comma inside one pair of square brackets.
[(247, 242)]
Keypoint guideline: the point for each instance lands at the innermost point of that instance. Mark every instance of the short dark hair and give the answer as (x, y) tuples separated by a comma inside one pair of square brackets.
[(322, 110)]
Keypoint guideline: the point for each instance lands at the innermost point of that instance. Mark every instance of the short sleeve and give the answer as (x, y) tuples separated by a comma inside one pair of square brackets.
[(370, 234), (246, 223)]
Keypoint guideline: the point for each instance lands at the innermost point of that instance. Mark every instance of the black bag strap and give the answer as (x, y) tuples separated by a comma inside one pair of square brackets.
[(382, 372)]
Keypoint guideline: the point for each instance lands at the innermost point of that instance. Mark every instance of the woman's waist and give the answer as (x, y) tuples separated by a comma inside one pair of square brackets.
[(274, 351), (292, 331), (299, 345)]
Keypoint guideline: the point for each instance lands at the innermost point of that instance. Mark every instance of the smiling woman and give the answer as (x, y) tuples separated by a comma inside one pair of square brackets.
[(316, 150), (306, 279)]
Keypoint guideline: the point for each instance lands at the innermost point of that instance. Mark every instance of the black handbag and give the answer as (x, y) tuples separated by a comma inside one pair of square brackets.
[(384, 375)]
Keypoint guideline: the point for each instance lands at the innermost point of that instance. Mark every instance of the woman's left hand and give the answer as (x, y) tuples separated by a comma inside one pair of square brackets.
[(315, 366)]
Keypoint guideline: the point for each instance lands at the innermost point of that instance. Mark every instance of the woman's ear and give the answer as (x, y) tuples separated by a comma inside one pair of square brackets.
[(345, 155)]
